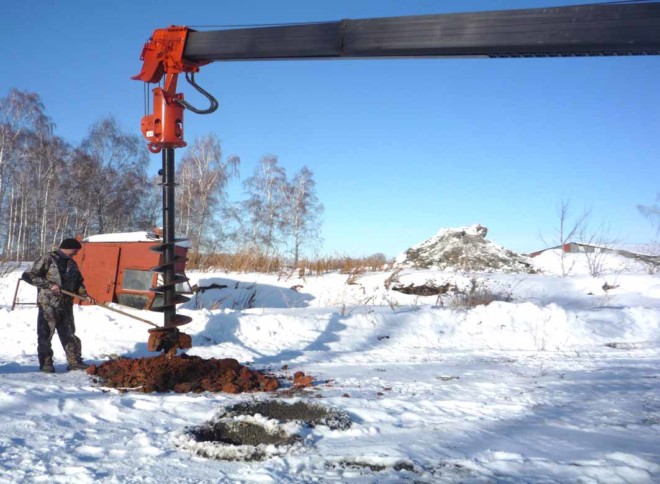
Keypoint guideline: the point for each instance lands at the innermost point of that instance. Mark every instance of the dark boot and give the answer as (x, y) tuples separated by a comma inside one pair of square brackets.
[(77, 365), (73, 358), (46, 364)]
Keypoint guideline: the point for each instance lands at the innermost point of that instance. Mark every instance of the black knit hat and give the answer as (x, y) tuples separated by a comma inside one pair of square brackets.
[(70, 244)]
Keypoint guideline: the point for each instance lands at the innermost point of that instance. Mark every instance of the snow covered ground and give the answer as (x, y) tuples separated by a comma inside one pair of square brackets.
[(556, 380)]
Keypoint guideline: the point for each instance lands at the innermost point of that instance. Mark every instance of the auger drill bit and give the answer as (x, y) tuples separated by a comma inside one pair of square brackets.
[(169, 339)]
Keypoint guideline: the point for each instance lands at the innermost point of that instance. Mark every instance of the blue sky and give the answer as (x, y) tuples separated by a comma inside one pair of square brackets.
[(399, 148)]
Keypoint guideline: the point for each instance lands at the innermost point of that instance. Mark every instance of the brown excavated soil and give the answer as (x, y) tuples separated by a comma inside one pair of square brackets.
[(181, 374)]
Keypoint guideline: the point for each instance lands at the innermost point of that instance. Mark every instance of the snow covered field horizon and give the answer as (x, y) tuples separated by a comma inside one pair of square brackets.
[(556, 379)]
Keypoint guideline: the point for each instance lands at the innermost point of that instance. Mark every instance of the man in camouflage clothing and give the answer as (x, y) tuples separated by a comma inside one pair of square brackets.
[(57, 270)]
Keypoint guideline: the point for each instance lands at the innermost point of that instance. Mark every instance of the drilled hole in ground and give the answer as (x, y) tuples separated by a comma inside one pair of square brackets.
[(241, 433), (258, 430), (306, 413)]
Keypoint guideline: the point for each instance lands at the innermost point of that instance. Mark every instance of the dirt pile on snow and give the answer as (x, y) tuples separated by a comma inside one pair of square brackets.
[(181, 374), (463, 249)]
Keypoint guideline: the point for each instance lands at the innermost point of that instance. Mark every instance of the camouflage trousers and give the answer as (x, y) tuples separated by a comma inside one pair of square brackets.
[(57, 318)]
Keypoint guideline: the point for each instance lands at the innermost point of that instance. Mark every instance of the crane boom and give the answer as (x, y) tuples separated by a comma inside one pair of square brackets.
[(632, 29), (582, 30)]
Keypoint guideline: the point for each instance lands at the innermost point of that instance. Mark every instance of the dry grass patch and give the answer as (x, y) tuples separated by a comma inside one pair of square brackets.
[(244, 261), (249, 261)]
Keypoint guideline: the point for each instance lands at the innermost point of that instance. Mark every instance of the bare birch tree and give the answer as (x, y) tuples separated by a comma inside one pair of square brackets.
[(594, 243), (302, 216), (78, 200), (150, 212), (45, 165), (21, 117), (117, 175), (598, 244), (203, 178), (264, 208), (568, 229)]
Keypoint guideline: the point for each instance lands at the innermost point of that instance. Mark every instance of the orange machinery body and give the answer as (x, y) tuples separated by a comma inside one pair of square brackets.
[(121, 272), (163, 56)]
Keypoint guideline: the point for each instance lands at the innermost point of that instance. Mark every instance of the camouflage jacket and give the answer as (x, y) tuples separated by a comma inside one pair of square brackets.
[(55, 268)]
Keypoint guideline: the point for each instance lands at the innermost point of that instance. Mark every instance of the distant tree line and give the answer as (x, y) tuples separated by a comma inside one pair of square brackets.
[(50, 190)]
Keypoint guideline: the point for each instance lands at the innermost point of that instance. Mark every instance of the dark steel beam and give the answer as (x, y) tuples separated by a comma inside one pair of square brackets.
[(587, 30)]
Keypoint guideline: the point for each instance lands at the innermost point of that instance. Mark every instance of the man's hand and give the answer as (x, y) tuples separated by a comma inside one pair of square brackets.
[(55, 288), (90, 299)]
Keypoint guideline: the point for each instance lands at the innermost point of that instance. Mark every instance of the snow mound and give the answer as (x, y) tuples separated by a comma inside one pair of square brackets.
[(140, 236), (463, 249)]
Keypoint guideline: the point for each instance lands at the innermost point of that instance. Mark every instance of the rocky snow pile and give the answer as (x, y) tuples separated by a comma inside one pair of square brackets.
[(463, 249)]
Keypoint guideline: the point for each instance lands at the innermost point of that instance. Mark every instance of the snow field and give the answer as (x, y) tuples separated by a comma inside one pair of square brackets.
[(557, 382)]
